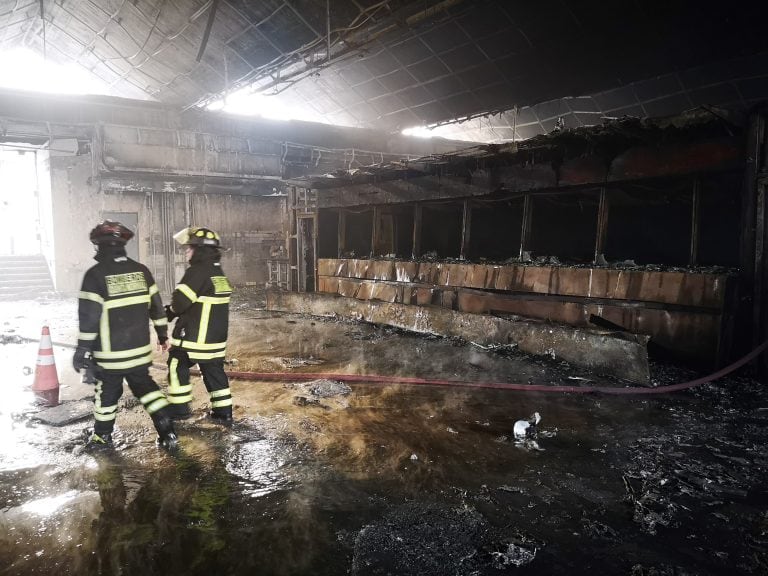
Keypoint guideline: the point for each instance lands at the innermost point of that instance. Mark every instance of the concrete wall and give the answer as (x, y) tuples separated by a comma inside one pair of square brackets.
[(251, 226)]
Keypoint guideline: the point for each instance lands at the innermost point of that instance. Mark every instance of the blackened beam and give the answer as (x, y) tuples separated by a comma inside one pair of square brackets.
[(395, 191), (636, 163), (207, 33)]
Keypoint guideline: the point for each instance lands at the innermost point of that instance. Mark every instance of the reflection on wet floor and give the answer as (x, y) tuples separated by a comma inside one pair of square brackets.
[(392, 479)]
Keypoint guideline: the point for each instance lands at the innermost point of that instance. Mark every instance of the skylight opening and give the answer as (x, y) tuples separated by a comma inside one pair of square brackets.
[(448, 131), (246, 102), (23, 69), (419, 132)]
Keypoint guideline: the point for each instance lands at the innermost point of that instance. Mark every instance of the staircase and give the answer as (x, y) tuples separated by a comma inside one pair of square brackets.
[(24, 277)]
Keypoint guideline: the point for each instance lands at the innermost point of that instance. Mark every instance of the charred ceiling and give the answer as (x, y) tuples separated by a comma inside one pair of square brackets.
[(399, 63), (565, 156)]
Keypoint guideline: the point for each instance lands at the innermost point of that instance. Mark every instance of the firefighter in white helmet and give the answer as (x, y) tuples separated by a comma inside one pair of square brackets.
[(200, 305), (117, 301)]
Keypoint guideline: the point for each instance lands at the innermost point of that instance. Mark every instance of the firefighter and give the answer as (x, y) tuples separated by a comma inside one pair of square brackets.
[(117, 300), (200, 303)]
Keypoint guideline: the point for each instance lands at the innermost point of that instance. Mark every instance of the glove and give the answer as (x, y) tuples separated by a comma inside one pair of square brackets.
[(169, 313), (80, 360)]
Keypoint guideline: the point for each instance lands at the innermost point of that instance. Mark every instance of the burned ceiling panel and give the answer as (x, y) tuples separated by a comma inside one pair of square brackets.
[(397, 63), (699, 140)]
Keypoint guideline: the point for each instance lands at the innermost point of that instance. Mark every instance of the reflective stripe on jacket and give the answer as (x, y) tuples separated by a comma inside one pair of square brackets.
[(201, 300), (117, 301)]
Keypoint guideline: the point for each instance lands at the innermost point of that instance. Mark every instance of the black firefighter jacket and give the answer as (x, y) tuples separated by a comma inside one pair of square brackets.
[(116, 302), (201, 300)]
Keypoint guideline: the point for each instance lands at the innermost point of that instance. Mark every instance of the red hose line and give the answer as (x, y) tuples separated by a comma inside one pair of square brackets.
[(374, 378)]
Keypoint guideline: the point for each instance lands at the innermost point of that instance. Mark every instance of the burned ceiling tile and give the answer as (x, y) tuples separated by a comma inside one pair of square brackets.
[(381, 63), (667, 106), (410, 51), (369, 90), (430, 113), (444, 37), (483, 74), (415, 96), (463, 57), (397, 80), (446, 86), (355, 74), (428, 70)]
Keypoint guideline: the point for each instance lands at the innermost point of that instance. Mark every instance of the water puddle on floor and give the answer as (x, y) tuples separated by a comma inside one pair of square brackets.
[(393, 479)]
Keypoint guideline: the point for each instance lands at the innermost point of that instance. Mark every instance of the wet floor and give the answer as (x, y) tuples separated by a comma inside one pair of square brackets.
[(384, 479)]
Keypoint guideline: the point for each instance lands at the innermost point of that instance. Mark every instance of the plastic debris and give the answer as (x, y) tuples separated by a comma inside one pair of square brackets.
[(526, 428)]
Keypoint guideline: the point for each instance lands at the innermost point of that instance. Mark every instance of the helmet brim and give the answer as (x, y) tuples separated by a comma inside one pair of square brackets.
[(182, 236)]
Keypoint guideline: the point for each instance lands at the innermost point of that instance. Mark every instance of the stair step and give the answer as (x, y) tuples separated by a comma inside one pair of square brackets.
[(16, 273), (24, 277), (26, 264), (25, 287)]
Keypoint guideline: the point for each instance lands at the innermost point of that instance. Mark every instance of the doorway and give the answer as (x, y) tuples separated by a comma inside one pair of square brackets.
[(21, 231)]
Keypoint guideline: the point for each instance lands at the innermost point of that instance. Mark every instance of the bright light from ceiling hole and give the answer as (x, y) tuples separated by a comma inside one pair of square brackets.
[(23, 69), (419, 132), (248, 103), (442, 131)]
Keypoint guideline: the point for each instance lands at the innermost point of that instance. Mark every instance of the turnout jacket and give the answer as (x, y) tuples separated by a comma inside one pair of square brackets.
[(117, 300), (201, 300)]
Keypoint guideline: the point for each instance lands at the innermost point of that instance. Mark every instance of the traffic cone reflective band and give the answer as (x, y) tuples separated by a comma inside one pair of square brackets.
[(46, 384)]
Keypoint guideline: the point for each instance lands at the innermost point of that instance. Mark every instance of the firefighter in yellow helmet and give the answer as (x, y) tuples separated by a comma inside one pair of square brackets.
[(117, 301), (200, 305)]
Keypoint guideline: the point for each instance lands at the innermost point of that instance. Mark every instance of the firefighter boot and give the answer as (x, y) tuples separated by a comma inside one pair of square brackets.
[(222, 415), (179, 411), (97, 441), (166, 435)]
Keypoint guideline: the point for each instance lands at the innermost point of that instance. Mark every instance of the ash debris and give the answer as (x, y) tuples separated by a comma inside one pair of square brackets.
[(311, 393), (431, 539)]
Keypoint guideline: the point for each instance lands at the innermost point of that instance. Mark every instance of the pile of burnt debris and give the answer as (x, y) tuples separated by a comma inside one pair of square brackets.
[(531, 259)]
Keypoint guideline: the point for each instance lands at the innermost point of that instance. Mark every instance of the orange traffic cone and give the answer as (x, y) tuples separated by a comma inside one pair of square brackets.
[(46, 384)]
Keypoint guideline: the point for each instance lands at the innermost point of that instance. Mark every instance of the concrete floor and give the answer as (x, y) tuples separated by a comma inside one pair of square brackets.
[(385, 479)]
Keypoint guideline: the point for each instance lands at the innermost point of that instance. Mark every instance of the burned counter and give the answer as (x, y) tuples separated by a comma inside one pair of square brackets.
[(682, 313), (650, 227)]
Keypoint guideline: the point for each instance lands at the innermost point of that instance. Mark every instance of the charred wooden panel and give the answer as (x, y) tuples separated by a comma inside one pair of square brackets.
[(429, 273), (683, 288), (587, 170), (328, 284), (424, 296), (677, 159), (529, 177), (348, 288), (331, 267), (468, 275), (380, 270), (406, 271), (357, 268)]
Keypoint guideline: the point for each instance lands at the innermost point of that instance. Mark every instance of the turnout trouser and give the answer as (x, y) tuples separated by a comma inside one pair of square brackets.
[(214, 378), (109, 389)]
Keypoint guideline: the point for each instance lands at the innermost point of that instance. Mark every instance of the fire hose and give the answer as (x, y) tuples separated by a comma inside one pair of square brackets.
[(378, 379)]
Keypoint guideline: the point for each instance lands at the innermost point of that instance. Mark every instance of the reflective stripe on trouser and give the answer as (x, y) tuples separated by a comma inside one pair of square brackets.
[(179, 388), (214, 378), (109, 390), (217, 384)]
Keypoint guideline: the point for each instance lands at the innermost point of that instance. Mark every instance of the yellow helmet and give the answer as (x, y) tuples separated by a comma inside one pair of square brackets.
[(197, 236)]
